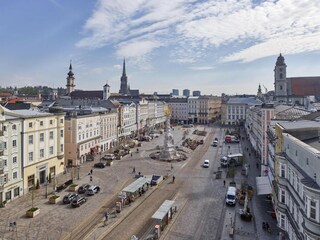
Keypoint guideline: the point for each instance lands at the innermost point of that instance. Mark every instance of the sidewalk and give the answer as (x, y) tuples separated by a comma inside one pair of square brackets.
[(260, 205)]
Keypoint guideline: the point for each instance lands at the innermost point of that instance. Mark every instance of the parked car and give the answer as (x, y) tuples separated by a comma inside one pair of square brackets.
[(92, 190), (77, 202), (99, 165), (69, 197), (109, 156), (206, 164), (83, 188), (215, 143)]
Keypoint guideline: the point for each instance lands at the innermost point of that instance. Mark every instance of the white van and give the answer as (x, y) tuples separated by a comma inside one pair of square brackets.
[(231, 196)]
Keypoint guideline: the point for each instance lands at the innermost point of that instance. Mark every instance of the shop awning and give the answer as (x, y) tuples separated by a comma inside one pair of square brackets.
[(263, 185)]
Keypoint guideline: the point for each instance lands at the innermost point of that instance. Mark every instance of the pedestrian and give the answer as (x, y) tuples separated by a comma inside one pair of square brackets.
[(91, 171), (14, 226), (249, 154), (91, 178), (257, 165), (224, 183), (173, 178), (134, 170), (139, 173), (171, 167), (10, 226), (131, 154)]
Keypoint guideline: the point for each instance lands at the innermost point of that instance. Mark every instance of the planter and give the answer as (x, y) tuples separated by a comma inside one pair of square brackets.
[(32, 212), (54, 199), (73, 187)]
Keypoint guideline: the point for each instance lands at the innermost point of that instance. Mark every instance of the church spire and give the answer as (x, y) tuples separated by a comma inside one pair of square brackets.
[(70, 73), (124, 67)]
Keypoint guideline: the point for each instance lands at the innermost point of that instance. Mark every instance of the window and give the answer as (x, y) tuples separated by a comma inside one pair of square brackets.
[(41, 137), (14, 127), (51, 122), (313, 210), (41, 153), (51, 135), (16, 192), (41, 123), (15, 175), (282, 170), (282, 221), (51, 150), (79, 137), (61, 133), (61, 148), (5, 162), (14, 160), (30, 139), (282, 196), (14, 143), (5, 145), (61, 120), (30, 156), (30, 124), (281, 75)]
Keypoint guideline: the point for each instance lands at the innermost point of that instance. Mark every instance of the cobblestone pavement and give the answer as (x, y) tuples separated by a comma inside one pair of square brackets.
[(57, 220), (199, 200)]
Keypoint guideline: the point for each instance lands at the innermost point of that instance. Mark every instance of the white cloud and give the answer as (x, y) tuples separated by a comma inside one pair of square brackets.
[(117, 66), (192, 29), (201, 68)]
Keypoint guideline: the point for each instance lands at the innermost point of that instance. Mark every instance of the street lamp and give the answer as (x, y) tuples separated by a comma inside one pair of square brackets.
[(78, 172)]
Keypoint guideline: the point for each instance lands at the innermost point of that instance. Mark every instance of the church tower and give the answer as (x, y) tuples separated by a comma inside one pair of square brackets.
[(259, 93), (106, 91), (280, 80), (124, 81), (70, 81)]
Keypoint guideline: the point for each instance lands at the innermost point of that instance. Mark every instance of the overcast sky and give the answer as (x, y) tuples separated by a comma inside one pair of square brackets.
[(216, 46)]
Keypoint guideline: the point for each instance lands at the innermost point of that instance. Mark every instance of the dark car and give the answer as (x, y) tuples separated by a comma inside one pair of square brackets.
[(83, 188), (77, 202), (69, 197), (99, 165)]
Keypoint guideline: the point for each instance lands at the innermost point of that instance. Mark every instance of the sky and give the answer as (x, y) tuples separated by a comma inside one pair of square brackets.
[(215, 46)]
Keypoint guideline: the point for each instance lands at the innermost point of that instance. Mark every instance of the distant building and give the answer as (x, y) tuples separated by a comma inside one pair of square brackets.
[(70, 81), (196, 93), (233, 110), (186, 92), (175, 92), (124, 86), (293, 90)]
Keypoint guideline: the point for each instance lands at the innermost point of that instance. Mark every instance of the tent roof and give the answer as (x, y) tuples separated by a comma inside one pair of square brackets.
[(163, 209), (263, 185)]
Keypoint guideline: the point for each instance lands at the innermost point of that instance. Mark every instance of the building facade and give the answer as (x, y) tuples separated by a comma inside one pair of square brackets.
[(297, 191), (11, 174), (179, 110)]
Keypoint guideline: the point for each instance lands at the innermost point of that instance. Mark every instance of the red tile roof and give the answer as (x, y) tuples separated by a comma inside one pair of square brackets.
[(305, 86)]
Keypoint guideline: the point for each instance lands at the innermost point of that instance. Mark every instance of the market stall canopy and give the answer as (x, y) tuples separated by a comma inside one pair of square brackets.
[(134, 187), (163, 210)]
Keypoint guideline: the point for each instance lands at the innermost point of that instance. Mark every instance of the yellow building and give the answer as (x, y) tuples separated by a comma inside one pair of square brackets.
[(42, 146)]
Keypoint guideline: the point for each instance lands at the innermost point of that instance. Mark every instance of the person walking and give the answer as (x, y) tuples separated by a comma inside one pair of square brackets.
[(91, 178), (131, 154), (257, 165), (173, 178), (224, 183), (91, 171), (134, 170)]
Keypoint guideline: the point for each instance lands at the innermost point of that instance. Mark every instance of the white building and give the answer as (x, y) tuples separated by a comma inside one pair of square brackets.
[(297, 191), (179, 109), (11, 174)]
